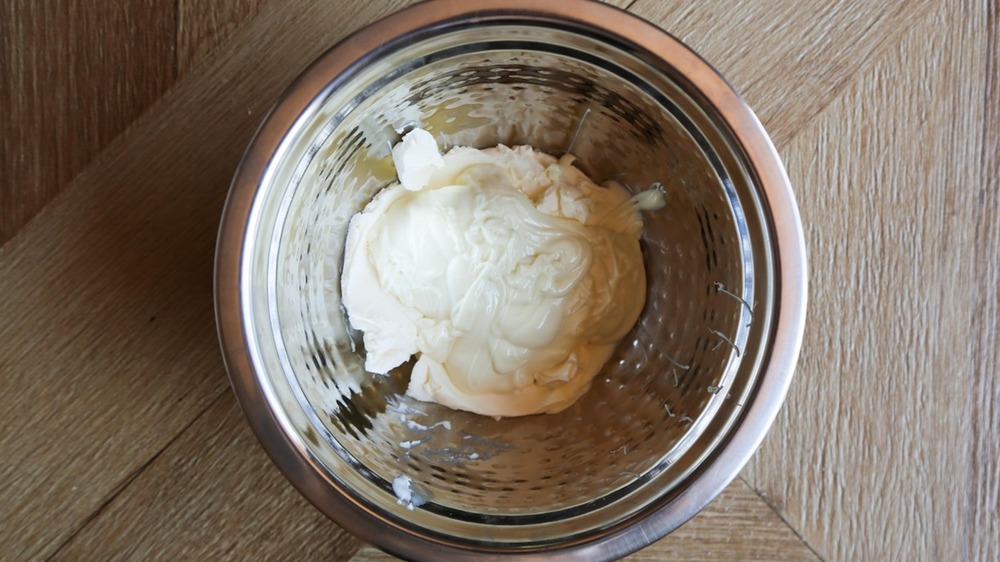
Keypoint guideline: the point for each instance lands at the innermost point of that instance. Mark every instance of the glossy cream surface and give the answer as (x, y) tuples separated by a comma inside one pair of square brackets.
[(506, 272)]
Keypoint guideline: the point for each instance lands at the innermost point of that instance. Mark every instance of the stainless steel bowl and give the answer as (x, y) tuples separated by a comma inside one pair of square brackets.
[(689, 393)]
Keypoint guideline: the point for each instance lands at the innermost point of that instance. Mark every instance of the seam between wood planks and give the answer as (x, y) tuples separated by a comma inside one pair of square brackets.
[(128, 480), (781, 516), (880, 52)]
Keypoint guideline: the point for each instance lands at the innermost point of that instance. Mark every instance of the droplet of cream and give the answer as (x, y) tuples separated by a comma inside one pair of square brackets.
[(652, 199)]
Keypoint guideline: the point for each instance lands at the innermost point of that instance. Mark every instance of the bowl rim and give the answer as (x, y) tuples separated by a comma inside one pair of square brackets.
[(716, 471)]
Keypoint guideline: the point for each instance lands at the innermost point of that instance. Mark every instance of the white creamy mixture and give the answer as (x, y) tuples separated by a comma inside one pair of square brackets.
[(508, 274)]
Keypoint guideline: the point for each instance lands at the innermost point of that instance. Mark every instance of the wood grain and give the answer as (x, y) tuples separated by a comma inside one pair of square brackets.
[(984, 358), (108, 347), (69, 98), (737, 515), (119, 428), (212, 494), (205, 25), (870, 458), (788, 58), (74, 74)]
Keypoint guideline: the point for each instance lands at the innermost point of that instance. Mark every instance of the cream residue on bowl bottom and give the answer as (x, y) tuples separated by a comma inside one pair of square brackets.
[(509, 274)]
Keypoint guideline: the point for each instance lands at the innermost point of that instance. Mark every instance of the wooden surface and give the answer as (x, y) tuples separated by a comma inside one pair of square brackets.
[(122, 126)]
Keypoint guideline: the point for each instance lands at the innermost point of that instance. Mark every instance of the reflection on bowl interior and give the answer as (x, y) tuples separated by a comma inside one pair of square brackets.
[(677, 379)]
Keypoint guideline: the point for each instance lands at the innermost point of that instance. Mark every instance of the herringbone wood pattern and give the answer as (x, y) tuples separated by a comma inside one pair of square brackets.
[(122, 125)]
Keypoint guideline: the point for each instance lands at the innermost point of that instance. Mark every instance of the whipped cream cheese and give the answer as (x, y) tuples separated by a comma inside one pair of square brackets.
[(509, 274)]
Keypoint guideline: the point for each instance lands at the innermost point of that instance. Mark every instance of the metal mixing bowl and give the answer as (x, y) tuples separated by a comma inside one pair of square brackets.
[(687, 396)]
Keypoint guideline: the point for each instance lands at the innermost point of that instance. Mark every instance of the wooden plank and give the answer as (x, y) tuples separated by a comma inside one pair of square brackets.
[(984, 492), (213, 494), (107, 348), (91, 393), (737, 526), (871, 456), (70, 97), (788, 58), (74, 75), (106, 354), (204, 25)]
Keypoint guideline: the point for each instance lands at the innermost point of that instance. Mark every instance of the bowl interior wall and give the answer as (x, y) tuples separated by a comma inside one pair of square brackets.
[(668, 380)]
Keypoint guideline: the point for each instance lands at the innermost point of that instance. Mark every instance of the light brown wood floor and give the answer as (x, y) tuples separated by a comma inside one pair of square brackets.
[(122, 123)]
